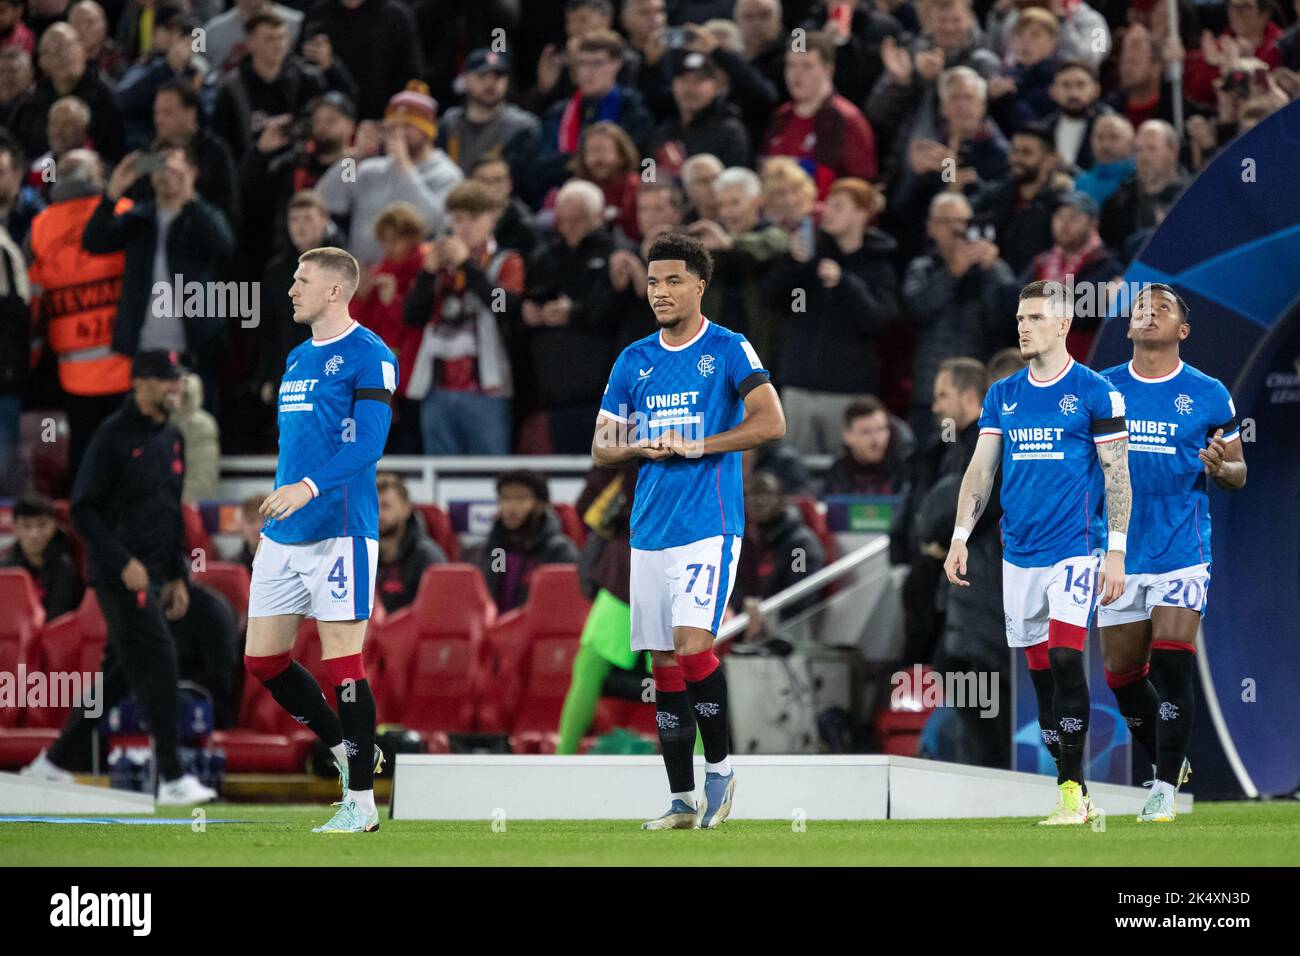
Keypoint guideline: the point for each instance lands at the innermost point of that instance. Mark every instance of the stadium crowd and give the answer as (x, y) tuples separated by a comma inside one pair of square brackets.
[(875, 181)]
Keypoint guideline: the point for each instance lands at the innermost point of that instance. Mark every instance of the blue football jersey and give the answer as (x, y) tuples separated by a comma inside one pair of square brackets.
[(1053, 490), (322, 384), (1170, 419), (696, 389)]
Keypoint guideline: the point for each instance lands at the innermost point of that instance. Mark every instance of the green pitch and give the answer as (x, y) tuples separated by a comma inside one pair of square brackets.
[(1215, 834)]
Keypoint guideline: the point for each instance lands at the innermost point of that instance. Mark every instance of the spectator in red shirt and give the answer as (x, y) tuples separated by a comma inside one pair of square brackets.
[(13, 32), (378, 306), (607, 158), (827, 134)]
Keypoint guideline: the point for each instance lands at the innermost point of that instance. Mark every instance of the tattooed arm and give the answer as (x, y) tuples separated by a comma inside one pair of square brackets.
[(1119, 505), (976, 489)]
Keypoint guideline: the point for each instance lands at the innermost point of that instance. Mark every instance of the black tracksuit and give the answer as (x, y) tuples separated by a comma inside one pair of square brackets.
[(126, 503)]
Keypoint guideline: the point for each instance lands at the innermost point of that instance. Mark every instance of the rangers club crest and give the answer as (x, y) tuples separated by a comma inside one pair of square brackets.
[(705, 365), (334, 364), (1184, 404), (1069, 405)]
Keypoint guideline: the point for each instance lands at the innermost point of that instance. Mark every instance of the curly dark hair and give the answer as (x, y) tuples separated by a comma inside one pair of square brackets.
[(676, 245)]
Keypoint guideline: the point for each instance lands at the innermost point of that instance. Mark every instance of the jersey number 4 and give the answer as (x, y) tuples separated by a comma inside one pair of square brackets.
[(338, 577)]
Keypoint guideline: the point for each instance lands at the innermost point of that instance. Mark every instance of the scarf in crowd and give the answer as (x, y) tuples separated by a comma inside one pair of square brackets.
[(609, 108), (1058, 265)]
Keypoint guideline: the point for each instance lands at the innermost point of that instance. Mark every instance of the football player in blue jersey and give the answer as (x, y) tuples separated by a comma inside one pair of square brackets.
[(687, 399), (1183, 433), (1057, 430), (317, 556)]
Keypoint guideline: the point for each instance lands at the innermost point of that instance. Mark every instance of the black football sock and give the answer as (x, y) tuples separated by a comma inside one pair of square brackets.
[(1044, 689), (294, 689), (1173, 665), (357, 716), (1070, 704), (707, 688), (1138, 703), (676, 723)]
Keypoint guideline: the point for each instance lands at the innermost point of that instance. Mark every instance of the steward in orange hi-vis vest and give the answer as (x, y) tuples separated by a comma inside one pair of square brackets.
[(74, 297)]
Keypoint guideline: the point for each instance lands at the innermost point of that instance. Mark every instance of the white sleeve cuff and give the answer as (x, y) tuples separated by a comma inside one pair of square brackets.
[(1118, 542), (960, 534), (315, 492)]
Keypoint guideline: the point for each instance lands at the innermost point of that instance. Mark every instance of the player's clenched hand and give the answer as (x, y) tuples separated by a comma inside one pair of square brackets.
[(1110, 583), (679, 444), (286, 500), (1214, 453), (653, 449), (955, 565)]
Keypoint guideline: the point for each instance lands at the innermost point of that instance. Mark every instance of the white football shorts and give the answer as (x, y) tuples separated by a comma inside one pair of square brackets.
[(685, 586), (1065, 591), (1186, 588), (330, 580)]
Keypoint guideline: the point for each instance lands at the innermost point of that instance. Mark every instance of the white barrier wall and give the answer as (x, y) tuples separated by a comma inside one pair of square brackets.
[(770, 787)]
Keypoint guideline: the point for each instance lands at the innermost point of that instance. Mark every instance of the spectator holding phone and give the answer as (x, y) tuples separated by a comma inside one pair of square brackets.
[(953, 297)]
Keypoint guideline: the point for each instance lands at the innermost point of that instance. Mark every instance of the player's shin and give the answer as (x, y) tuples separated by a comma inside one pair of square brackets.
[(676, 722), (356, 706), (1070, 701), (1138, 703), (707, 689), (293, 688), (1040, 673), (1173, 668)]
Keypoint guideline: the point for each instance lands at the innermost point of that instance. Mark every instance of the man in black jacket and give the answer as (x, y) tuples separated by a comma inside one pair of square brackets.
[(405, 548), (126, 504), (829, 347), (571, 315), (779, 551), (195, 241), (269, 84), (525, 535), (42, 549), (703, 122)]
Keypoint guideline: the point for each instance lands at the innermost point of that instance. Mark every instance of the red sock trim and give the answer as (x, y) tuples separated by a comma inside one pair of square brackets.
[(1173, 646), (696, 667), (668, 678), (265, 668), (1036, 656), (340, 670), (1115, 681), (1061, 634)]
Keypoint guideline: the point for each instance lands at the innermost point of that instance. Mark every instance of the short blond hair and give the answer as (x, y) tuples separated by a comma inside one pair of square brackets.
[(339, 261)]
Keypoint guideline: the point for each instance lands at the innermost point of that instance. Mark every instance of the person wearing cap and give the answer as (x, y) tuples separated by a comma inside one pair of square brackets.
[(411, 170), (126, 506), (487, 124), (1078, 255), (270, 84), (704, 121)]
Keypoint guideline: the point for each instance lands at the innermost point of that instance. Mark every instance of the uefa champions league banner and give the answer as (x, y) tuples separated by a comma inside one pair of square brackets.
[(1231, 246)]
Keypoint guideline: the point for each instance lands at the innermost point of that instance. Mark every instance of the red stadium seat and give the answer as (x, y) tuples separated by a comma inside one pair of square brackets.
[(72, 642), (438, 523), (230, 580), (429, 653), (556, 611), (814, 516), (21, 619), (196, 533), (574, 527)]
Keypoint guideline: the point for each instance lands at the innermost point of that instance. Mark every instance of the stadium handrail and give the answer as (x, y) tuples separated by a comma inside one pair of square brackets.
[(810, 585)]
